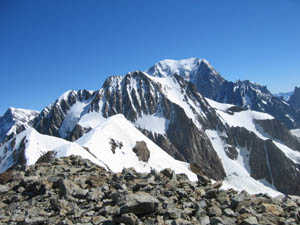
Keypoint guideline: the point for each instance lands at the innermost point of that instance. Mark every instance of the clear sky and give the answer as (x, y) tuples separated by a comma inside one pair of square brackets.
[(48, 47)]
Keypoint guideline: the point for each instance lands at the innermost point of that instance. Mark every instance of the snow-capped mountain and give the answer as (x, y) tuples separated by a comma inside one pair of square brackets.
[(14, 121), (241, 93), (164, 110)]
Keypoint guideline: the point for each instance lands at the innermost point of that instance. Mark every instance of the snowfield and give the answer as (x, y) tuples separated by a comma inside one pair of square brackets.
[(123, 132)]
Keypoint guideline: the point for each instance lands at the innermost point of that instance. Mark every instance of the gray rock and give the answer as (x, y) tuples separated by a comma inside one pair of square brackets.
[(214, 211), (216, 221), (173, 213), (142, 151), (128, 219), (3, 189), (249, 221), (229, 212), (204, 220), (140, 204)]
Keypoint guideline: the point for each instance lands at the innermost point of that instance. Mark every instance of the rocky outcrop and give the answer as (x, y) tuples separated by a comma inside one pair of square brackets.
[(78, 132), (141, 150), (74, 191)]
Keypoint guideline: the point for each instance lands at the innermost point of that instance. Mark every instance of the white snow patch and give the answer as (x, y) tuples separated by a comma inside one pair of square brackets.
[(91, 120), (289, 117), (217, 105), (153, 123)]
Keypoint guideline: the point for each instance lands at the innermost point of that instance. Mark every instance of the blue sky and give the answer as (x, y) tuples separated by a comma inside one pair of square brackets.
[(48, 47)]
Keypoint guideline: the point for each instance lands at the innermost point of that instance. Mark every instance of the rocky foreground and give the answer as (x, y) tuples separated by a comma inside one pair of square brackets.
[(73, 190)]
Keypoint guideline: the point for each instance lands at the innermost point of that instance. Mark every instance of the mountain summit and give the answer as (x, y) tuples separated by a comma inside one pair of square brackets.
[(212, 85)]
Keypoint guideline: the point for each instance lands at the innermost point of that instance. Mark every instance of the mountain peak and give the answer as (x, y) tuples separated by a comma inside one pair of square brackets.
[(183, 67), (19, 114)]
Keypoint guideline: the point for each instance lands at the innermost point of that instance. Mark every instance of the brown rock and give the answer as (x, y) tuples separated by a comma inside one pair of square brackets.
[(142, 151)]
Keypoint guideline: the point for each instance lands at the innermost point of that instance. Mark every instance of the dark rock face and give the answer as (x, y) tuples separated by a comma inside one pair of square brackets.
[(279, 132), (285, 173), (64, 191), (294, 100), (142, 151), (51, 118), (267, 161), (207, 81), (194, 146)]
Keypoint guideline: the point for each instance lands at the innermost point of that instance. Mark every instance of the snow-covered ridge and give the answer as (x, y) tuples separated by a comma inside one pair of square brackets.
[(122, 131), (96, 146), (36, 145)]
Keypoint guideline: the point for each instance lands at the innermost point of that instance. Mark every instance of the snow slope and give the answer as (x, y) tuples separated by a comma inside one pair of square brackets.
[(238, 171), (123, 132), (37, 144)]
